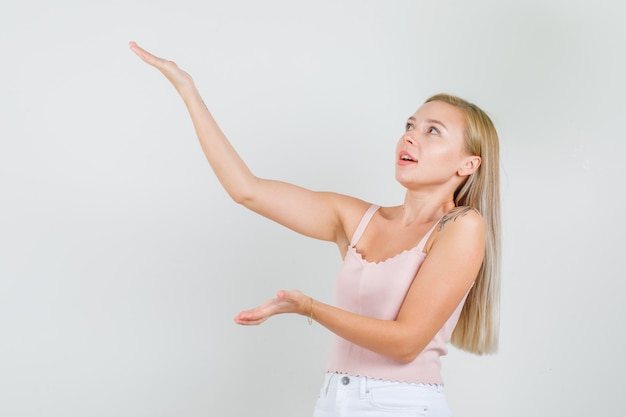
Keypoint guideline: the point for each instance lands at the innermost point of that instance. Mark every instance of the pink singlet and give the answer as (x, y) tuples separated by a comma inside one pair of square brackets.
[(377, 289)]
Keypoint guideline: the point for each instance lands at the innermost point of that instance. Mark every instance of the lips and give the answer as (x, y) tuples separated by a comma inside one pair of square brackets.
[(405, 158)]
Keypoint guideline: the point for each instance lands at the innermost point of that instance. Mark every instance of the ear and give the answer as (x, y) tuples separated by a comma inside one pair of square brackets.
[(469, 166)]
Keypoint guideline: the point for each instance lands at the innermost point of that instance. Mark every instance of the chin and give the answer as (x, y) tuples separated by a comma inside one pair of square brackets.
[(403, 181), (402, 176)]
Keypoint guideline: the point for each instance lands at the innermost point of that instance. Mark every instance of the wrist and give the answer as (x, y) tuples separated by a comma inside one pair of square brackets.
[(189, 92)]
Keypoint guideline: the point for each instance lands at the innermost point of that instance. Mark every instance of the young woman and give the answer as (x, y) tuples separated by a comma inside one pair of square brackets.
[(414, 277)]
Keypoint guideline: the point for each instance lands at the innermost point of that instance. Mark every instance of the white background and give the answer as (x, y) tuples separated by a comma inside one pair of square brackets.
[(123, 263)]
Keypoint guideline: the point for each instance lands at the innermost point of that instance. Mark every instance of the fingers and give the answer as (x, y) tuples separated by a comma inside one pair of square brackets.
[(259, 314), (145, 55), (256, 315), (179, 78), (141, 53), (285, 302), (251, 318)]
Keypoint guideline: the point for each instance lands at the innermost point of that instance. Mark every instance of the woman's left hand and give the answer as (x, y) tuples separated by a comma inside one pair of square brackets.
[(285, 302)]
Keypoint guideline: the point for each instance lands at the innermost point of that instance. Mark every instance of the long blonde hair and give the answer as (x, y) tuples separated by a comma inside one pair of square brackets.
[(478, 326)]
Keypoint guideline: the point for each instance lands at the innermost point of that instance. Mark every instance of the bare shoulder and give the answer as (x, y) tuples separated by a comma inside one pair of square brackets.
[(460, 226), (461, 218), (348, 206)]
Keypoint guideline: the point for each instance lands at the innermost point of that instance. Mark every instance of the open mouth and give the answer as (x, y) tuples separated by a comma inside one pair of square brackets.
[(406, 157)]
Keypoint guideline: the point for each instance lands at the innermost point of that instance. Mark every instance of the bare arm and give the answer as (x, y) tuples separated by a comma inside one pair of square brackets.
[(316, 214), (441, 283)]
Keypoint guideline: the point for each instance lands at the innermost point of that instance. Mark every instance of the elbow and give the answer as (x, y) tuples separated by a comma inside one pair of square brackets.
[(240, 198), (408, 352), (243, 194), (405, 358)]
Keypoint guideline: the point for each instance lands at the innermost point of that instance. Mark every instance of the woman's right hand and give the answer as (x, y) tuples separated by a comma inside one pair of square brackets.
[(179, 78)]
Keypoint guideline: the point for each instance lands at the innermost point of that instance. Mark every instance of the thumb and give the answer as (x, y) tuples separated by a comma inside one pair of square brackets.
[(294, 301)]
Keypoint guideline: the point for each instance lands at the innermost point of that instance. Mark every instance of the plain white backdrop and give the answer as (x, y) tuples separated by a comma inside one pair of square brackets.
[(123, 263)]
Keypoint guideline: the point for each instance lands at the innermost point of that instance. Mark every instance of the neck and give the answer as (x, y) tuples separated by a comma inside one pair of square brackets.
[(425, 208)]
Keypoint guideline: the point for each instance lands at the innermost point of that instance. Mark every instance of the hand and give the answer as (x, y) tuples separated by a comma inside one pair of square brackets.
[(285, 302), (179, 78)]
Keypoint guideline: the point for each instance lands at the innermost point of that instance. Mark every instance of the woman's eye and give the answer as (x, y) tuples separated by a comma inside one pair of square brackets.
[(433, 130), (409, 126)]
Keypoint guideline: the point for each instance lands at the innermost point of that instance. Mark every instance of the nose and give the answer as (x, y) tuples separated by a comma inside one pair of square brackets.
[(408, 139)]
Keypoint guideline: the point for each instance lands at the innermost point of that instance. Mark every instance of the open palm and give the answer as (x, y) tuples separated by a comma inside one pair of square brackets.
[(179, 78)]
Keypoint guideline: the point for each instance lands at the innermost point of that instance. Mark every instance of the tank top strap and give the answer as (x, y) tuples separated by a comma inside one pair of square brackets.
[(363, 224), (420, 246)]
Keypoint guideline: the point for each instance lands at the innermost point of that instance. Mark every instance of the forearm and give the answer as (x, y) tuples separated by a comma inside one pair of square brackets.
[(390, 338), (230, 169)]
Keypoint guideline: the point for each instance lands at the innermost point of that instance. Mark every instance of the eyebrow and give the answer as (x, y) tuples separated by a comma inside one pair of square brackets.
[(430, 121)]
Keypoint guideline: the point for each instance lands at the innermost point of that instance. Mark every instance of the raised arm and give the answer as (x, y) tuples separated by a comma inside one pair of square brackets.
[(450, 268), (319, 215)]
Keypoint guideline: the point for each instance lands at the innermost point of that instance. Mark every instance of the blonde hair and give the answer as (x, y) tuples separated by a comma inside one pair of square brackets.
[(478, 326)]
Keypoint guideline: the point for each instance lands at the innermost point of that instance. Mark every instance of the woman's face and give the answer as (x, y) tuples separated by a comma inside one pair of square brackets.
[(432, 149)]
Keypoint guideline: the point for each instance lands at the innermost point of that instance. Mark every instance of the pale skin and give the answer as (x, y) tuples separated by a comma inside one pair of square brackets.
[(431, 163)]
